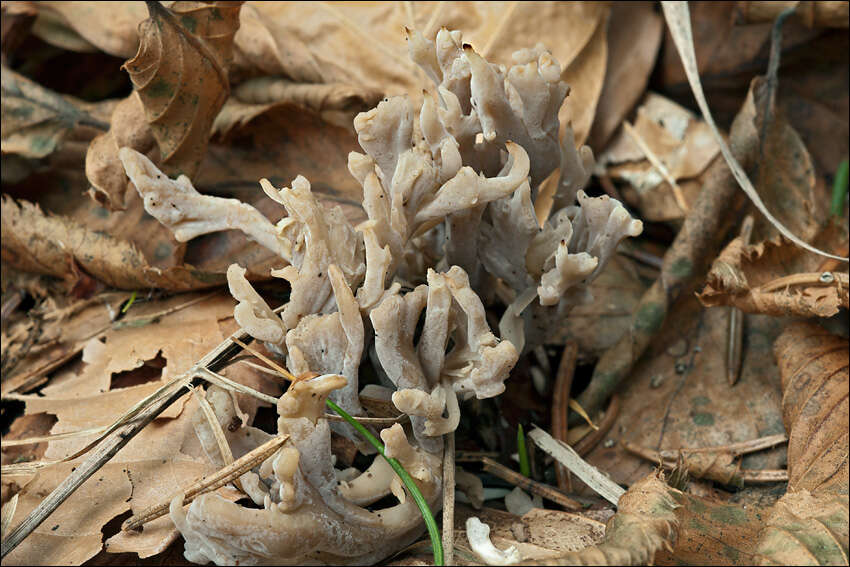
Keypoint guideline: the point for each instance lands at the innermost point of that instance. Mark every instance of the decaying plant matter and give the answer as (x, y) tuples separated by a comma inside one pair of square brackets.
[(448, 190)]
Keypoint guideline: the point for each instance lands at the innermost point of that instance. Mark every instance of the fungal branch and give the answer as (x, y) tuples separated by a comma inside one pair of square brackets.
[(448, 189)]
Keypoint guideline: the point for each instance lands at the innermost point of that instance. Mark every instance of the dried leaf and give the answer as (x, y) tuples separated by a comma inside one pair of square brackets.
[(128, 128), (597, 325), (35, 242), (17, 20), (180, 74), (36, 120), (678, 139), (814, 368), (812, 14), (634, 36), (108, 26), (776, 278), (810, 523), (160, 459)]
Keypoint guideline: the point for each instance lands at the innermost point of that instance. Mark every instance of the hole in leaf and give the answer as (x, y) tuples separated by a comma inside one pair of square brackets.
[(150, 371)]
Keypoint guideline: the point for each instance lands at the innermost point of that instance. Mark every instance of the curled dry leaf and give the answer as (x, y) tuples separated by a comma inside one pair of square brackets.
[(775, 278), (108, 26), (40, 243), (127, 128), (810, 523), (678, 139), (644, 524), (36, 120), (180, 74), (813, 14)]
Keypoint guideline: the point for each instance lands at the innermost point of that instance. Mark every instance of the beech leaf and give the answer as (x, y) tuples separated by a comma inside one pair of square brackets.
[(180, 73)]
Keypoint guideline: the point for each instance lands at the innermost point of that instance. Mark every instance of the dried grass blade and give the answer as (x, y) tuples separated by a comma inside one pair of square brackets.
[(8, 512), (228, 384), (213, 482), (678, 18), (56, 437), (589, 474)]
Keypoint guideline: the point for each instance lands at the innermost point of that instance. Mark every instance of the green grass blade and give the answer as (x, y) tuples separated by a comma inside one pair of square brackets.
[(129, 302), (433, 531), (839, 188), (524, 466)]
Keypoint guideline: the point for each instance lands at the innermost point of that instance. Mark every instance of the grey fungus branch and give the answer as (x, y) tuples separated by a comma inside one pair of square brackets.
[(448, 191)]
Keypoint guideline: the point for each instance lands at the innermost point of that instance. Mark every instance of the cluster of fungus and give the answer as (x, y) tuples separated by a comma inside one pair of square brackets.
[(448, 192)]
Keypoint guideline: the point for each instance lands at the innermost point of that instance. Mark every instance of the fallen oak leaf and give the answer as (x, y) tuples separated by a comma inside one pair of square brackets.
[(180, 74)]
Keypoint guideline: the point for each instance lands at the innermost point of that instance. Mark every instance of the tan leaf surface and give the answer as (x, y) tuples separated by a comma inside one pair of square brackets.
[(110, 26), (810, 523), (678, 395), (110, 185), (776, 278), (180, 74)]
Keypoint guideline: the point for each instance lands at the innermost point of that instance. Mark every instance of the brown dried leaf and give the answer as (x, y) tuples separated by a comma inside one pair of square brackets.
[(35, 242), (810, 523), (36, 120), (645, 523), (597, 325), (163, 457), (814, 368), (812, 14), (634, 36), (681, 141), (109, 184), (180, 74), (110, 26), (776, 278), (678, 395)]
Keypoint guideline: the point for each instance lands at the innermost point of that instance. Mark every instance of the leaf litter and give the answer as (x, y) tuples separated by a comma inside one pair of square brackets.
[(294, 86)]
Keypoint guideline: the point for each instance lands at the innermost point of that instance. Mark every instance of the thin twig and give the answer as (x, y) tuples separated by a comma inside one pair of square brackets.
[(531, 485), (207, 484), (561, 395), (448, 535), (474, 456), (587, 443)]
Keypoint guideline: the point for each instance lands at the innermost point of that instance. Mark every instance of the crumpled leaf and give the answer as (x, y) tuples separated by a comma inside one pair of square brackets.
[(682, 143), (776, 278), (644, 524), (37, 120), (180, 74), (35, 242), (337, 103), (814, 368)]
